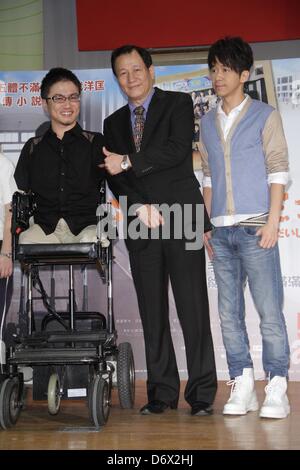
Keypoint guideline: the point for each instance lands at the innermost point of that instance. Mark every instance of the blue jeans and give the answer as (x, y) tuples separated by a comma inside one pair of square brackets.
[(237, 256)]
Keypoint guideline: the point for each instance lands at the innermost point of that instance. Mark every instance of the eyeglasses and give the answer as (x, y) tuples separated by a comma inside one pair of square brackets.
[(75, 98)]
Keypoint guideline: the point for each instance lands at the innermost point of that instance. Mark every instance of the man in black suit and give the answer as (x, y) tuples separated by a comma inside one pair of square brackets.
[(149, 157)]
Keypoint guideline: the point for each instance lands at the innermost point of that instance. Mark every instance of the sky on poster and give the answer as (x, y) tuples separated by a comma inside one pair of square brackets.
[(173, 69), (285, 66)]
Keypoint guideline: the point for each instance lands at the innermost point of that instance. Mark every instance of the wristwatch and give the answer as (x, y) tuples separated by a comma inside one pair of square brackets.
[(125, 163)]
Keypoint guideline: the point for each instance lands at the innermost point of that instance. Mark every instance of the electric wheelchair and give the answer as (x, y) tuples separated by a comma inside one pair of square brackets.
[(68, 350)]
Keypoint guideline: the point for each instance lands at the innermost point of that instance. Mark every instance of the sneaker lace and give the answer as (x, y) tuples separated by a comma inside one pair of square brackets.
[(233, 383)]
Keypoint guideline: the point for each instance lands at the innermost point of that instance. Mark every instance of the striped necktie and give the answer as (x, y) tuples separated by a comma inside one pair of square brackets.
[(138, 127)]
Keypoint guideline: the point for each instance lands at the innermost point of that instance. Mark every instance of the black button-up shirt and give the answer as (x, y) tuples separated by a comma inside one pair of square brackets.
[(65, 177)]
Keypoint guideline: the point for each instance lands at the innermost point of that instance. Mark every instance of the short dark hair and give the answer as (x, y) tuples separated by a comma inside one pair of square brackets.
[(232, 52), (58, 74), (127, 49)]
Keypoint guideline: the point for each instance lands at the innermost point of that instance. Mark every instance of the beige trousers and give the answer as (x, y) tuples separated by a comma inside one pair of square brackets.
[(61, 234)]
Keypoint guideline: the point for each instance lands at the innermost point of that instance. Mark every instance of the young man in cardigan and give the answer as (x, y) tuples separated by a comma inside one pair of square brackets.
[(245, 164)]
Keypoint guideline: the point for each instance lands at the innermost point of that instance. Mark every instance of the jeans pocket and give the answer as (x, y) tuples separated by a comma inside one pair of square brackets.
[(250, 231)]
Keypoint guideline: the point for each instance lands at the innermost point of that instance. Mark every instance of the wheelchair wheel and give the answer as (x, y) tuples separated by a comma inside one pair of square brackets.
[(125, 375), (54, 396), (99, 401), (10, 405)]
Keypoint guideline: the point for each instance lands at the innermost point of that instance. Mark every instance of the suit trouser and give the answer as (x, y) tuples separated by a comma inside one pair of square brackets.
[(151, 268)]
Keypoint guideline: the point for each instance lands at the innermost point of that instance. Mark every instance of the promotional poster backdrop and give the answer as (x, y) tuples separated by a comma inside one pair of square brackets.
[(276, 82)]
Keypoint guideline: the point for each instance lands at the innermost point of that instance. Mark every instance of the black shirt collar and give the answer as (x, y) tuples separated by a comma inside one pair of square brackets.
[(76, 131)]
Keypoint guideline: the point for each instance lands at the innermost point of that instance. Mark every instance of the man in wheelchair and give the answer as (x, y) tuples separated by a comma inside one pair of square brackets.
[(72, 353), (61, 168)]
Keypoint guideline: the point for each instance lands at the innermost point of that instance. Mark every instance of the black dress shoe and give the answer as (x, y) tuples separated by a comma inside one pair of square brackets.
[(155, 406), (199, 408)]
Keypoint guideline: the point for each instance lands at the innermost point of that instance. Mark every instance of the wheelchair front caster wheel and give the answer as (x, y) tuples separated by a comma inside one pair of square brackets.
[(54, 395)]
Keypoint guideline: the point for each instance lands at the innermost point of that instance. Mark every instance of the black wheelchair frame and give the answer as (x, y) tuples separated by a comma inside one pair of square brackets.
[(60, 353)]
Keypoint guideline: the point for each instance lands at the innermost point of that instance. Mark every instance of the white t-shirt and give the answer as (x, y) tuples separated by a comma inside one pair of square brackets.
[(7, 187)]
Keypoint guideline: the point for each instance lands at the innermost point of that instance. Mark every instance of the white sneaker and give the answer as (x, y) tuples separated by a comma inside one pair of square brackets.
[(276, 404), (243, 395)]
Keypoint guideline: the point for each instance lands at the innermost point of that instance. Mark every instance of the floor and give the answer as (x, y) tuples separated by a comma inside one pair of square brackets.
[(174, 429)]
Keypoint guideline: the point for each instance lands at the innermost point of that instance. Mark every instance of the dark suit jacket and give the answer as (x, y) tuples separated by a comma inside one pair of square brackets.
[(162, 172)]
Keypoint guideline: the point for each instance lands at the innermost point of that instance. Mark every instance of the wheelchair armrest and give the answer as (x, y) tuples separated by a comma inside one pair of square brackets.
[(23, 207)]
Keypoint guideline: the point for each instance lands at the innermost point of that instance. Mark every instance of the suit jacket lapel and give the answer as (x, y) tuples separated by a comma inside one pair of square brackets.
[(126, 129), (155, 110)]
